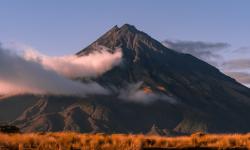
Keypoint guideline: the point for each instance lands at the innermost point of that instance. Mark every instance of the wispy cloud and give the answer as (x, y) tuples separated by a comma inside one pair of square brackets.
[(207, 51)]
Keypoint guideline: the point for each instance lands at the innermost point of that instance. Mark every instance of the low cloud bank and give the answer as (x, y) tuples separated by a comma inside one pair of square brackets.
[(40, 74), (134, 93)]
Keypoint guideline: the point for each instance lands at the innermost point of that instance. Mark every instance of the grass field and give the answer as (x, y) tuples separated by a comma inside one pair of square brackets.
[(76, 141)]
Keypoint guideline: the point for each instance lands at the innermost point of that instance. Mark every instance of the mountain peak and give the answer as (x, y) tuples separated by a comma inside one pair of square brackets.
[(126, 27), (129, 28), (127, 37)]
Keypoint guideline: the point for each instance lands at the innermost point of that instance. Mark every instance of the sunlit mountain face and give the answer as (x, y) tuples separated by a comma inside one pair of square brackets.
[(145, 87)]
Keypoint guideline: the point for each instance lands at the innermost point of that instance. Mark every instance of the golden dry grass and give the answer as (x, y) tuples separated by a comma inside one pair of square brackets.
[(70, 140)]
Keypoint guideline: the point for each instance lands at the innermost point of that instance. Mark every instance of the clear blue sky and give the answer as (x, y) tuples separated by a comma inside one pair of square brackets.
[(58, 27)]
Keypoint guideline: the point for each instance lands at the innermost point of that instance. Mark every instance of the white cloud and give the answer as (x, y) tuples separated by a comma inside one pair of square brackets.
[(73, 66)]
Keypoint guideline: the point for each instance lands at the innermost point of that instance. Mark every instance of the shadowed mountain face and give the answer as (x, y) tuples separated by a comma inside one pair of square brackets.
[(204, 98)]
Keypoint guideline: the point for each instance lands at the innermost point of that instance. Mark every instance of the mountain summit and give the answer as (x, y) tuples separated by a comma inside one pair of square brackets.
[(132, 41), (186, 94)]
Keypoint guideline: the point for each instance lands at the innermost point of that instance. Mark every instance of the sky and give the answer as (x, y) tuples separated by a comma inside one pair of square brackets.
[(63, 27), (58, 27)]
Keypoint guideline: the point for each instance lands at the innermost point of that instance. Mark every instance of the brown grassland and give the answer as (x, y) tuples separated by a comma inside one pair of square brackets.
[(77, 141)]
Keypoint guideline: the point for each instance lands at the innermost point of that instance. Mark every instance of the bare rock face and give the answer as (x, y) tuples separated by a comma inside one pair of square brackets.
[(205, 99)]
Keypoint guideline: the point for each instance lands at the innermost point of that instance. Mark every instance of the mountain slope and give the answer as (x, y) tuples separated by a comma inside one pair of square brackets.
[(191, 94), (195, 83)]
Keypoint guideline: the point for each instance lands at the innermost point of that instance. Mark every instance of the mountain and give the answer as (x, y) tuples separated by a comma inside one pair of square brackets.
[(189, 94)]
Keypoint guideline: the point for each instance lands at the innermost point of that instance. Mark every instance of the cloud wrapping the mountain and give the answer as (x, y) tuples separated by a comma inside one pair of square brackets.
[(73, 66), (134, 93), (20, 76)]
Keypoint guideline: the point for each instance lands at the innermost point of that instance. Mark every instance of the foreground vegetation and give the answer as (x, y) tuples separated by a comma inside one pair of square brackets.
[(69, 140)]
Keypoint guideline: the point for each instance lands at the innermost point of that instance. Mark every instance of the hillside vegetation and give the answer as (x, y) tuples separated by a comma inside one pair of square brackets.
[(77, 141)]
